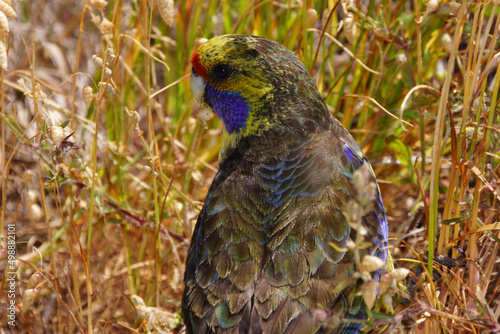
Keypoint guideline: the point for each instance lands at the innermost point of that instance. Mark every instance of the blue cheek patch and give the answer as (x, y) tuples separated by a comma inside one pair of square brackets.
[(231, 107)]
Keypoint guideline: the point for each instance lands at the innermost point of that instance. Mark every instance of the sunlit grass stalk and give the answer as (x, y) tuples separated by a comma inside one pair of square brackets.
[(226, 14), (421, 118), (101, 107), (71, 233), (492, 116), (191, 154), (93, 169), (39, 122), (153, 151), (73, 240), (305, 38), (480, 44), (77, 65), (186, 179), (437, 147)]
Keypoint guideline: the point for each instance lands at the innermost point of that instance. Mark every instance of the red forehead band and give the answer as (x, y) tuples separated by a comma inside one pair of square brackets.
[(198, 68)]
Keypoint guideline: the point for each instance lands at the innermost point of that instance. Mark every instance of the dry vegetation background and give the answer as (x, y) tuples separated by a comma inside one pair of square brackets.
[(104, 167)]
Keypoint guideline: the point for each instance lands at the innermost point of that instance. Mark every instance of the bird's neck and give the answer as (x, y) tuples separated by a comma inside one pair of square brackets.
[(228, 144)]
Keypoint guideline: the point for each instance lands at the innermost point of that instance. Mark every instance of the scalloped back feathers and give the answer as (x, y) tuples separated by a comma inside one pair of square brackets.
[(269, 250)]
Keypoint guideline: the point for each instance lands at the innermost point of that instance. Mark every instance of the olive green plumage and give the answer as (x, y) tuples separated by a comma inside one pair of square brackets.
[(268, 249)]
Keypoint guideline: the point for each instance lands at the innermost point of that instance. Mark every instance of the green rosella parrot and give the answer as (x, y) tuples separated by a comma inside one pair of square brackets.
[(270, 247)]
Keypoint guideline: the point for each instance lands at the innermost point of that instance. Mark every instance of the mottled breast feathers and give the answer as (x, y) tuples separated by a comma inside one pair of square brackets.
[(268, 253)]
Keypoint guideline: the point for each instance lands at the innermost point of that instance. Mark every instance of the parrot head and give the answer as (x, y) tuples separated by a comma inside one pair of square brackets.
[(243, 78)]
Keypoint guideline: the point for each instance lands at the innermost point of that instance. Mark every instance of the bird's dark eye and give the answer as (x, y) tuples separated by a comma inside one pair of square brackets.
[(222, 71)]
